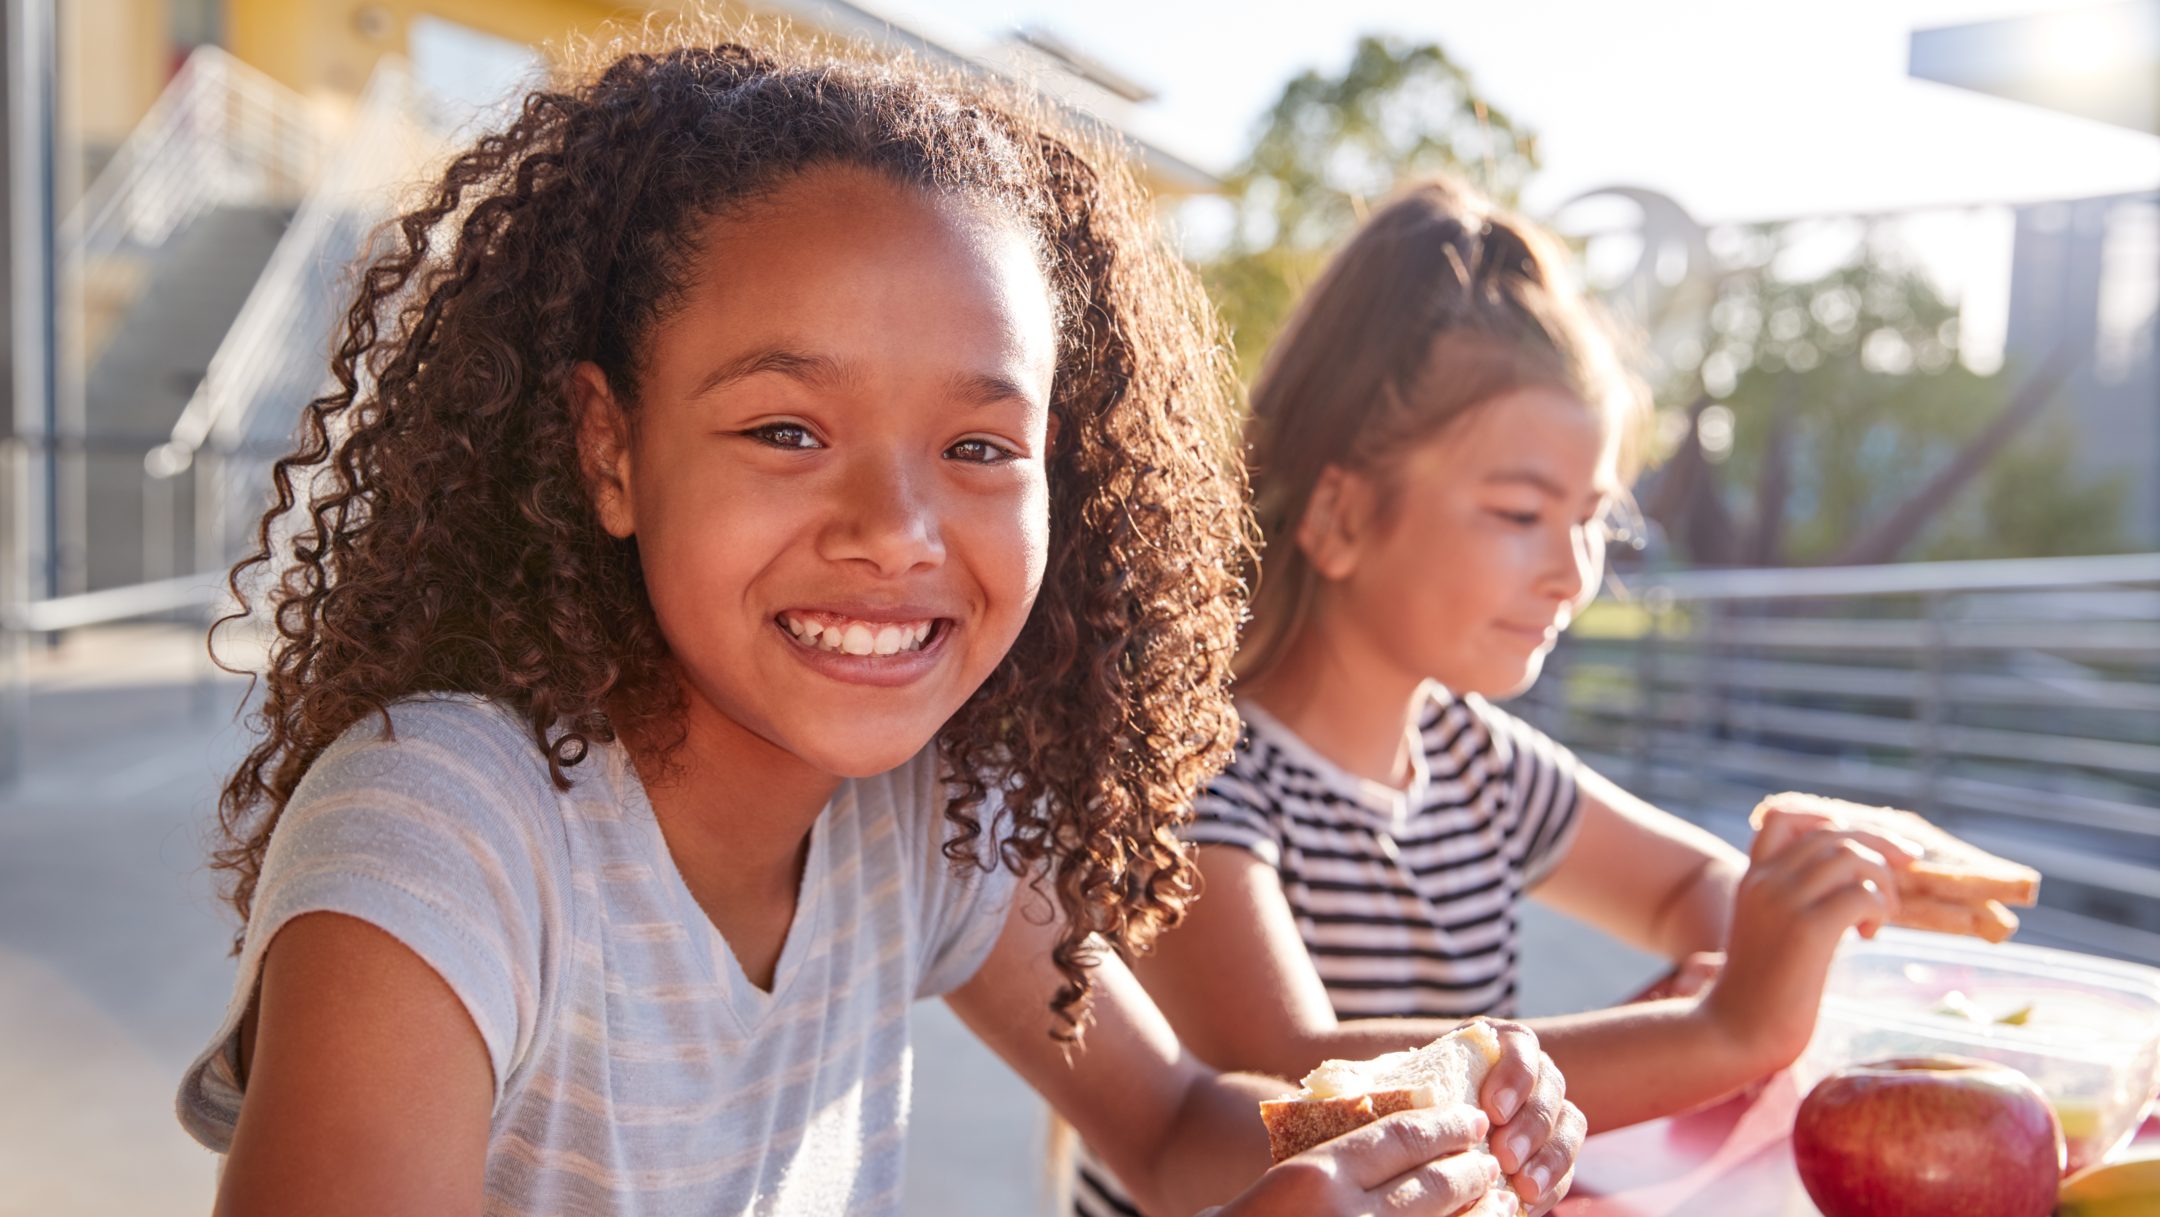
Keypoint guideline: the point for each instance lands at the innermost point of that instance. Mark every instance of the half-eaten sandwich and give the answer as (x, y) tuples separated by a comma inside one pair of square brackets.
[(1342, 1095), (1954, 888)]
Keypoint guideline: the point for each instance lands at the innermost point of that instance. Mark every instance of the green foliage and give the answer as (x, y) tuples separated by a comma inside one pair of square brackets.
[(1860, 369), (1329, 149)]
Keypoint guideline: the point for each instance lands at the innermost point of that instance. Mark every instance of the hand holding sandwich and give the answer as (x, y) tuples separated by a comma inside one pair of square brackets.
[(1806, 884), (1421, 1161), (1491, 1068)]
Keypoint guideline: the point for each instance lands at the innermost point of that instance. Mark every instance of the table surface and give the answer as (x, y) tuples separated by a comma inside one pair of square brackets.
[(1734, 1157)]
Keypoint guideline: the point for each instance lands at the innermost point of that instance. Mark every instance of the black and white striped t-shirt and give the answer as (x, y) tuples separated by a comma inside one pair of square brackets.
[(1406, 899)]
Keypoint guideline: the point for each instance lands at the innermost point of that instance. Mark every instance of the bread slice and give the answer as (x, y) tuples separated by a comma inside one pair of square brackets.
[(1954, 887), (1343, 1095), (1987, 919)]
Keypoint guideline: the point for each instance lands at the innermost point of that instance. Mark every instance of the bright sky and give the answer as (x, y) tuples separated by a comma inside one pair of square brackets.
[(1738, 109)]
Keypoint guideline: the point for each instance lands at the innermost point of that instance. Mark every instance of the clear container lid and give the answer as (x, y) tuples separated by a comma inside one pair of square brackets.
[(2035, 999)]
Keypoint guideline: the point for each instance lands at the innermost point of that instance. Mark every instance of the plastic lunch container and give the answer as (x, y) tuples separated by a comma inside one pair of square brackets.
[(2086, 1030)]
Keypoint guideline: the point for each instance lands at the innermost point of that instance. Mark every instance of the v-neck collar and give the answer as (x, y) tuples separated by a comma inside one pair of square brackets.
[(749, 1005), (1389, 809)]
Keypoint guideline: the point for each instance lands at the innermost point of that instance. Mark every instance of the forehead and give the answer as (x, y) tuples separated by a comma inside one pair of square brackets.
[(869, 267), (1543, 428)]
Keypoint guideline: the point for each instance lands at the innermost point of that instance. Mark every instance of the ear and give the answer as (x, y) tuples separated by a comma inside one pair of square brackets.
[(1337, 518), (603, 439)]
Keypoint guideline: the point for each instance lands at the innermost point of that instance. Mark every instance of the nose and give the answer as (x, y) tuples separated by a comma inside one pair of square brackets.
[(886, 517), (1575, 567)]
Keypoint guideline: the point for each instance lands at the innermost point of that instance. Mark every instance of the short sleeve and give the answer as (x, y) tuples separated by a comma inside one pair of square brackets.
[(444, 834), (1542, 804), (961, 908), (1234, 810)]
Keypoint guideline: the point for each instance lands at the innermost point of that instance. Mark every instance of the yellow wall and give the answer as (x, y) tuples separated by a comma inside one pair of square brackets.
[(115, 58), (319, 46)]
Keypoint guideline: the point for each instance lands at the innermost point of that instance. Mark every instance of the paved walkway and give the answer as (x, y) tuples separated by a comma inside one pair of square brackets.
[(113, 964)]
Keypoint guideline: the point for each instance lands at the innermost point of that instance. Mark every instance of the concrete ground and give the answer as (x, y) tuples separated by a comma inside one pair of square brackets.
[(113, 965)]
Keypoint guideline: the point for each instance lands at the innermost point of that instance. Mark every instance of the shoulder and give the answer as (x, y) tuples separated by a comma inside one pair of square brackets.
[(429, 776), (1459, 726), (436, 746)]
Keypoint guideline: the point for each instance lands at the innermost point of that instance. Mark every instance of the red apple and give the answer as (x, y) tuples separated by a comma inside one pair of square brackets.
[(1929, 1137)]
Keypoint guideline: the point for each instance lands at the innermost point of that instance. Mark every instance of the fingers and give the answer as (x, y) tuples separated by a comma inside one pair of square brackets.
[(1396, 1145), (1554, 1195), (1851, 879), (1515, 1074), (1498, 1202), (1453, 1185), (1514, 1142), (1781, 829), (1546, 1176)]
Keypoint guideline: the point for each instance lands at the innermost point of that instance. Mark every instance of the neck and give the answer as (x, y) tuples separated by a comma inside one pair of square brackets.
[(1344, 700), (727, 792)]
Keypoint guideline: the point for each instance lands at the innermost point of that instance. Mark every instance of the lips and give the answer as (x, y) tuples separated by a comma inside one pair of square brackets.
[(1540, 634)]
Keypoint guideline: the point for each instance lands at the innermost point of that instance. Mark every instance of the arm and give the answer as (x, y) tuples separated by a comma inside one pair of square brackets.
[(1236, 982), (1182, 1136), (368, 1086), (1675, 895)]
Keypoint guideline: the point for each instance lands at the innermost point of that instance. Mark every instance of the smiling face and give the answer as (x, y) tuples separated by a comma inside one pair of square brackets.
[(1489, 542), (836, 470)]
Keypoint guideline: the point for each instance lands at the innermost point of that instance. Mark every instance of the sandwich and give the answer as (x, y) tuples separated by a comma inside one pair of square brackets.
[(1339, 1096), (1954, 887)]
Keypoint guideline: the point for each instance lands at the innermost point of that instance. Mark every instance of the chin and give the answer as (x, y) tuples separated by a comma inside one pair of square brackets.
[(1502, 678), (867, 757)]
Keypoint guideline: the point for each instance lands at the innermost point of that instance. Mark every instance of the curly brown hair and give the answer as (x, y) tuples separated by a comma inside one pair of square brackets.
[(432, 531)]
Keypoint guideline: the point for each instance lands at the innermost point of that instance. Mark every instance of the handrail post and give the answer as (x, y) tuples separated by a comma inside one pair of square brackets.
[(1933, 704), (1646, 698)]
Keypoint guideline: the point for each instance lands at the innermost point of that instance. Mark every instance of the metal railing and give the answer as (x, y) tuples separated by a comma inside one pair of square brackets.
[(220, 133), (2017, 701), (275, 356)]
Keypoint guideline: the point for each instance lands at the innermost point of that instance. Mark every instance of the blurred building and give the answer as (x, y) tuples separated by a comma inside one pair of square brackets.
[(198, 169), (2085, 276), (2086, 272)]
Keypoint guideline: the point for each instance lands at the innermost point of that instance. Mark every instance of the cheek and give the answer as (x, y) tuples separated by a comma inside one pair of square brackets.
[(1011, 548), (703, 537)]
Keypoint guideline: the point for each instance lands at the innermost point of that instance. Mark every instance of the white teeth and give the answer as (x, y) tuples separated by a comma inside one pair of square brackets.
[(860, 637)]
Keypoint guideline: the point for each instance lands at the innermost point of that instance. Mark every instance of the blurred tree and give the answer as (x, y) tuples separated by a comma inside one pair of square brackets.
[(1332, 146), (1829, 419), (1833, 421)]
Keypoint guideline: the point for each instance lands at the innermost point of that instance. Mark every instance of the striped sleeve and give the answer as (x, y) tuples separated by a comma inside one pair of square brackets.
[(1237, 810), (438, 834), (1541, 810)]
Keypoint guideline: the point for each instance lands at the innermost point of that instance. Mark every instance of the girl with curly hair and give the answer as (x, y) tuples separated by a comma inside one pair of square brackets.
[(770, 556), (1437, 446)]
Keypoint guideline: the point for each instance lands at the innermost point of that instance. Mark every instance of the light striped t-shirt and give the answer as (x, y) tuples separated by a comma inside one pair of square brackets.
[(1406, 899), (637, 1071)]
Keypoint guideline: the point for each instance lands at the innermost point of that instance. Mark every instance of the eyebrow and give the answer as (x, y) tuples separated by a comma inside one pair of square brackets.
[(1529, 477), (1533, 478), (825, 372), (816, 371)]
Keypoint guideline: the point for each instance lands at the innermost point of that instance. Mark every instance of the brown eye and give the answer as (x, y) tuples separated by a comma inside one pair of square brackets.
[(980, 452), (793, 436)]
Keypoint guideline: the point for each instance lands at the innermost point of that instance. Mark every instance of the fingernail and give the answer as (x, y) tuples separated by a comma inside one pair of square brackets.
[(1539, 1176), (1518, 1148), (1507, 1101)]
